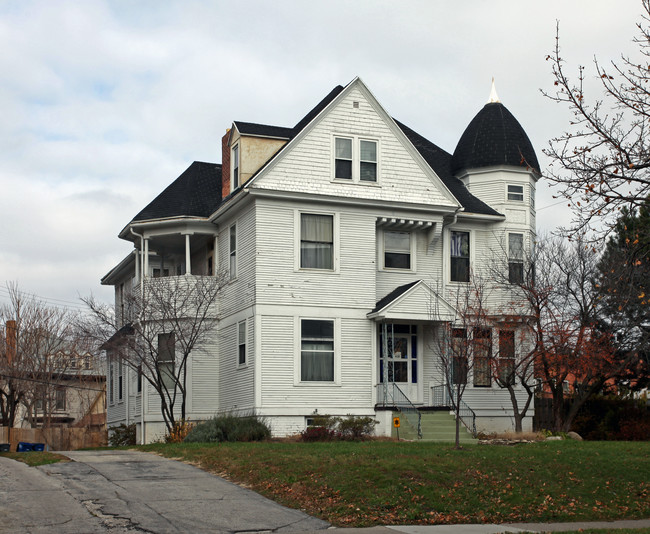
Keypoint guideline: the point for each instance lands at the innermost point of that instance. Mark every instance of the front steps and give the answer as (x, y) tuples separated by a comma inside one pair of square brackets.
[(437, 425)]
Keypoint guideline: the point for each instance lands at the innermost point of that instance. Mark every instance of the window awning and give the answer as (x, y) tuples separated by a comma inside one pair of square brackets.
[(415, 301)]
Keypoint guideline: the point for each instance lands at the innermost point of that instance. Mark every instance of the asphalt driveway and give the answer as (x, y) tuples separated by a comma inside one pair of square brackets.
[(129, 491)]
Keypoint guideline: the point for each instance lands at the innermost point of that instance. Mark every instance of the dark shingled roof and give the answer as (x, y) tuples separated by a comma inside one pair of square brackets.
[(195, 193), (265, 130), (440, 161), (393, 295), (494, 137)]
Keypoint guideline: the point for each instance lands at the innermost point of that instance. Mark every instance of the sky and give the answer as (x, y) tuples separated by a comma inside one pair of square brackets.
[(104, 103)]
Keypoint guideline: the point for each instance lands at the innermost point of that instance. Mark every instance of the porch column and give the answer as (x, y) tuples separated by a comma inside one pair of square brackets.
[(146, 258), (188, 256), (215, 256), (138, 259)]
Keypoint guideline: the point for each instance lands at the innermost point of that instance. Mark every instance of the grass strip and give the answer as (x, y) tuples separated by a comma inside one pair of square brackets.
[(357, 484), (34, 459)]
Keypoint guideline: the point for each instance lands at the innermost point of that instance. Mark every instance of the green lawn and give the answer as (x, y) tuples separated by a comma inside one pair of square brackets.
[(384, 482)]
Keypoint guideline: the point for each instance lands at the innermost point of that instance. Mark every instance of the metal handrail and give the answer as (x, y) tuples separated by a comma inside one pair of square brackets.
[(467, 416), (399, 400)]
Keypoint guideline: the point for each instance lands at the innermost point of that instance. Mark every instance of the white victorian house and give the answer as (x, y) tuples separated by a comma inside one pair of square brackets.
[(337, 234)]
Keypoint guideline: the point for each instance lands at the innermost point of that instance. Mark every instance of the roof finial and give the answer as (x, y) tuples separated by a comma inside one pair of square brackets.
[(494, 98)]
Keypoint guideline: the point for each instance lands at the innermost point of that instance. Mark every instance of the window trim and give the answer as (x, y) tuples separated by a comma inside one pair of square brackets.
[(298, 241), (120, 380), (470, 256), (356, 159), (242, 344), (382, 251), (111, 381), (235, 166), (512, 262), (298, 351), (515, 193), (232, 254)]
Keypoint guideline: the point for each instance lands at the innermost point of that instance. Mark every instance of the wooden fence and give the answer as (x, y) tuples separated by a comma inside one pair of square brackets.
[(55, 438)]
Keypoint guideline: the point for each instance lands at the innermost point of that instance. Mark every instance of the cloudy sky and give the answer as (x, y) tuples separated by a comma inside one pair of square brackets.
[(104, 103)]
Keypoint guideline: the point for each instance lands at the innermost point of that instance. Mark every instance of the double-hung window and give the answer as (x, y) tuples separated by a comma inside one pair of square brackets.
[(317, 350), (235, 167), (460, 256), (59, 399), (397, 250), (367, 161), (233, 251), (482, 345), (507, 357), (516, 193), (120, 380), (241, 343), (343, 158), (166, 357), (316, 241), (355, 159), (515, 258), (458, 356)]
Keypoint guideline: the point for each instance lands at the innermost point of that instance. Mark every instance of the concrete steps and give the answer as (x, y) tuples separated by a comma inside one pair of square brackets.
[(438, 425)]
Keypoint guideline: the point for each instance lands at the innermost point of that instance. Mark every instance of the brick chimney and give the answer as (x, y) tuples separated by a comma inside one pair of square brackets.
[(11, 334), (225, 164)]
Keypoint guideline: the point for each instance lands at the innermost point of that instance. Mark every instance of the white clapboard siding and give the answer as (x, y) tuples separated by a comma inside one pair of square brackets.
[(280, 356), (307, 166), (239, 293), (236, 383), (204, 393), (280, 282)]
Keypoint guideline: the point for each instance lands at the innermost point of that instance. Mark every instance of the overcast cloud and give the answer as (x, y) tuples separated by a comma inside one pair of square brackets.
[(106, 102)]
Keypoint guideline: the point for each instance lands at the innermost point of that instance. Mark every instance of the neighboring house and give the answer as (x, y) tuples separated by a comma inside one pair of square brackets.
[(72, 393), (345, 227)]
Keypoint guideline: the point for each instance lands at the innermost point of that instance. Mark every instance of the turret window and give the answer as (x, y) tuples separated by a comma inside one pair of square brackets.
[(460, 256), (516, 193)]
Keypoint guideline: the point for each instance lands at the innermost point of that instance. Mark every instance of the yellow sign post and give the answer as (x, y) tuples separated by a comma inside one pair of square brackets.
[(396, 424)]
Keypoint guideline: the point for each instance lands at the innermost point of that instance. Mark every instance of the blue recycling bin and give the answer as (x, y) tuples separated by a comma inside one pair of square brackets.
[(5, 447), (38, 447), (23, 446)]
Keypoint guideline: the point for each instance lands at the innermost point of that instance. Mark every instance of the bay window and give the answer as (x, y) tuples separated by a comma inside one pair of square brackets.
[(515, 258)]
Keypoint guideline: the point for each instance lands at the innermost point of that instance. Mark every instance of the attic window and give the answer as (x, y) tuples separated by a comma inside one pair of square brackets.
[(235, 167), (355, 105)]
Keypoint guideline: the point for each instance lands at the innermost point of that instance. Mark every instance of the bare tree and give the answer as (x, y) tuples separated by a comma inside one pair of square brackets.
[(170, 320), (464, 346), (37, 341), (601, 163)]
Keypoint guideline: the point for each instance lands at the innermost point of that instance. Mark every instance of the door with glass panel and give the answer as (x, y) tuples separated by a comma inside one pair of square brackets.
[(398, 358)]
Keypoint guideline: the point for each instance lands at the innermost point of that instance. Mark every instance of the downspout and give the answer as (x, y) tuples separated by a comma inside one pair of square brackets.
[(142, 395)]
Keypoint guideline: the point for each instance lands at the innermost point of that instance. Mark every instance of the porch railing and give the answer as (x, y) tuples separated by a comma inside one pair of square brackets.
[(441, 398), (392, 395)]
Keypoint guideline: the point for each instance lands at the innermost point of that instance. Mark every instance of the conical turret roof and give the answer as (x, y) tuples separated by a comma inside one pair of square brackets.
[(493, 137)]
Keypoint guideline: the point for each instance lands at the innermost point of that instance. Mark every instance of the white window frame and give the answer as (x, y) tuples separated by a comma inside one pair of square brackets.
[(356, 159), (111, 381), (242, 343), (513, 260), (120, 380), (232, 253), (335, 236), (517, 193), (447, 249), (382, 251), (235, 165), (298, 352)]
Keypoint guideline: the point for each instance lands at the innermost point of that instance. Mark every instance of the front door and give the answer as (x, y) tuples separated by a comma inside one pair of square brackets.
[(400, 363)]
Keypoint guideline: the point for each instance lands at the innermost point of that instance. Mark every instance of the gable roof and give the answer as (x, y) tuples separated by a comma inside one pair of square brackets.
[(195, 193), (414, 301), (263, 130), (440, 161)]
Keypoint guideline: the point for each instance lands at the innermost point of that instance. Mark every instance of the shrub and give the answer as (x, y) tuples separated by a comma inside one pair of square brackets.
[(356, 428), (229, 428), (122, 435), (328, 428), (180, 430)]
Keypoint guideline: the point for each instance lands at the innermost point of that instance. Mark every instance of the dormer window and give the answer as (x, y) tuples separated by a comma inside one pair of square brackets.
[(235, 167), (516, 193)]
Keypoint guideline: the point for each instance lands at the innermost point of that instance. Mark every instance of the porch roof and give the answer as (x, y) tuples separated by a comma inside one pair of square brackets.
[(415, 301)]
